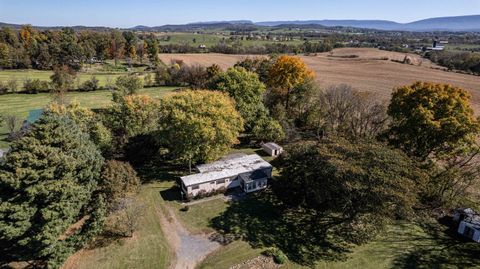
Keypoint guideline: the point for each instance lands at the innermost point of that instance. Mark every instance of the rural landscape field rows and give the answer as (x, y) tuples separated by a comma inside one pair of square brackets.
[(372, 70)]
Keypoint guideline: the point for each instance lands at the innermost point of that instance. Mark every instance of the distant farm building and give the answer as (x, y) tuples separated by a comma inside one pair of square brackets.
[(249, 172), (436, 47), (272, 149), (468, 223)]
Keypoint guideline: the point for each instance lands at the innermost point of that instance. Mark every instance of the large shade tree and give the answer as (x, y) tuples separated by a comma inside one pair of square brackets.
[(199, 126), (46, 180), (428, 118), (362, 184), (132, 115), (286, 73), (246, 89)]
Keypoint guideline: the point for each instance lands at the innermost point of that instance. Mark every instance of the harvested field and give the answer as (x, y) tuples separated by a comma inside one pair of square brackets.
[(223, 60), (369, 71)]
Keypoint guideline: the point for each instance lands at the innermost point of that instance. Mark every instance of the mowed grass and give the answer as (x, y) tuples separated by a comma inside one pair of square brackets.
[(392, 249), (198, 217), (21, 75), (148, 248), (230, 255), (187, 38), (20, 104)]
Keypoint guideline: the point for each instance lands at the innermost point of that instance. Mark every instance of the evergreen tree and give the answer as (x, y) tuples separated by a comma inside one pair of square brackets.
[(46, 181)]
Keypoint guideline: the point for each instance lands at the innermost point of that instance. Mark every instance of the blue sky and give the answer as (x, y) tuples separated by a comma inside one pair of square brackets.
[(122, 13)]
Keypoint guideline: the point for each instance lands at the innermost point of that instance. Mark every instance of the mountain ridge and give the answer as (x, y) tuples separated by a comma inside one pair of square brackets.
[(452, 23)]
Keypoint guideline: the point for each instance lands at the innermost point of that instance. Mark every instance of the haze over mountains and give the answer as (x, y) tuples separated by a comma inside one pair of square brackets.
[(459, 23)]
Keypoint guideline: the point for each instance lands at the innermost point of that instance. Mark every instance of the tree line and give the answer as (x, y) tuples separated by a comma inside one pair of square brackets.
[(464, 61), (45, 50)]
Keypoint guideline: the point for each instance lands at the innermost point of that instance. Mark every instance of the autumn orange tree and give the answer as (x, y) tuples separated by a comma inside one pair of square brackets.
[(286, 73), (428, 118)]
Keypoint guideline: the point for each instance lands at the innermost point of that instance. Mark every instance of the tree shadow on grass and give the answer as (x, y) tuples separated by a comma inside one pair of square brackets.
[(444, 249), (303, 236), (172, 194), (160, 170)]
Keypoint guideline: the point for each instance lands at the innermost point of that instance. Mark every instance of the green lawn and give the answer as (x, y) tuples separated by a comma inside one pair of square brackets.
[(21, 104), (402, 245), (197, 218), (147, 249), (187, 38), (211, 39), (21, 75), (230, 255)]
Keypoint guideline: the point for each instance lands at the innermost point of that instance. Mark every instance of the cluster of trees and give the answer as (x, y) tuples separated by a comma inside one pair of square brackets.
[(464, 61), (30, 48), (363, 164), (271, 48), (68, 169), (61, 184), (352, 162)]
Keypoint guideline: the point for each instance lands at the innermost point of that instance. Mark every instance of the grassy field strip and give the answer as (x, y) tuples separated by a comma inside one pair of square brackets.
[(21, 104), (21, 75), (147, 249), (230, 255)]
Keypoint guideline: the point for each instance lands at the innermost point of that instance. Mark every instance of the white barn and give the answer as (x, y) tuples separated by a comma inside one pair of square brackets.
[(272, 149), (469, 223), (250, 172)]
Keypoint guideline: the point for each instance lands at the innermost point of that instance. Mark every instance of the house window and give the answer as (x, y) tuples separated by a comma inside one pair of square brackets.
[(195, 187), (220, 181)]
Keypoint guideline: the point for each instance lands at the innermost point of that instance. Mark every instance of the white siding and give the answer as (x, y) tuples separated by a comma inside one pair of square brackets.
[(267, 150), (213, 186)]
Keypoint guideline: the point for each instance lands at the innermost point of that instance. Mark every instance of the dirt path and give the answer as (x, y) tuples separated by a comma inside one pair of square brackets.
[(190, 249)]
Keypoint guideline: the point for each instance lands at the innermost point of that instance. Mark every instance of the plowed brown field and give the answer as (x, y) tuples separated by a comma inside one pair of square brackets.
[(370, 70)]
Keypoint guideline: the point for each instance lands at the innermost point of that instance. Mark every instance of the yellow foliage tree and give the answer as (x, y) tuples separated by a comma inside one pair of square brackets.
[(133, 115), (286, 73), (199, 126), (429, 118)]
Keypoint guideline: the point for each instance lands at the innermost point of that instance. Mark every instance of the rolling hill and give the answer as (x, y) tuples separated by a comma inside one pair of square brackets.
[(459, 23)]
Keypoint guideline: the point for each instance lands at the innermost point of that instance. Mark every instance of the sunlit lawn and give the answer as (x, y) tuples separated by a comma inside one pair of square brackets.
[(21, 75), (21, 104), (147, 249)]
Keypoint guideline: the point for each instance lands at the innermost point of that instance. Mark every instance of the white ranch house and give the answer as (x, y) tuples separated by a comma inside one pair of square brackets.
[(249, 172), (468, 223)]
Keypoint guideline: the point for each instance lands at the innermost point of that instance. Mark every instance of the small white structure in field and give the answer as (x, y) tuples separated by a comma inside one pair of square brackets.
[(250, 172), (272, 149), (468, 223)]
